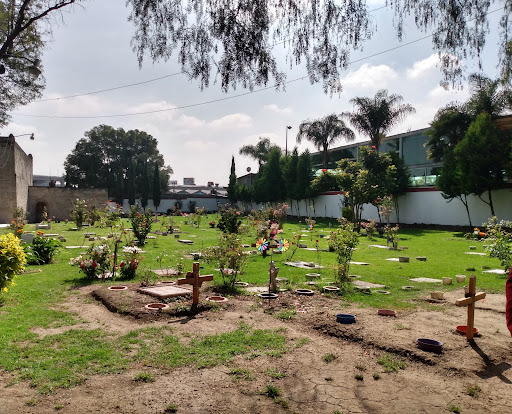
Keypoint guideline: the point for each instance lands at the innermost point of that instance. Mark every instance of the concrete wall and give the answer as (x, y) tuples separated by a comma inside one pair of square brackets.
[(415, 207), (23, 169), (209, 204), (15, 177), (59, 200)]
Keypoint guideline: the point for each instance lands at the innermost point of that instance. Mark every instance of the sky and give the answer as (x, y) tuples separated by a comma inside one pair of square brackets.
[(90, 50)]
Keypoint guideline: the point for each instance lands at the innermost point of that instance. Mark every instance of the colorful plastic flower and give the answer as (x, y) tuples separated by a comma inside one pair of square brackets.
[(283, 245), (262, 244)]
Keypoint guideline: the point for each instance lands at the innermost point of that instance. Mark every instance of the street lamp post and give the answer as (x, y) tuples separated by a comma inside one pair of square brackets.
[(286, 142)]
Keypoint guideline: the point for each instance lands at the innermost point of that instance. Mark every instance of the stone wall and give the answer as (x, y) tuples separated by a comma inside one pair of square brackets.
[(15, 177), (59, 200)]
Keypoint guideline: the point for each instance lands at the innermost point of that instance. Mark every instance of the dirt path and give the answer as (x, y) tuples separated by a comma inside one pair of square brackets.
[(428, 384)]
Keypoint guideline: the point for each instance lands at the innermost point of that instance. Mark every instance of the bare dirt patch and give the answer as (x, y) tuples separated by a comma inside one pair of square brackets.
[(352, 381)]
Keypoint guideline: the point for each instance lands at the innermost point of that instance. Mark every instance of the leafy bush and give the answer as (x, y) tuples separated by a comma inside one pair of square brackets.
[(19, 219), (230, 220), (12, 260), (79, 212), (343, 241), (141, 225), (130, 263), (501, 241), (95, 262), (228, 257), (42, 249), (347, 213)]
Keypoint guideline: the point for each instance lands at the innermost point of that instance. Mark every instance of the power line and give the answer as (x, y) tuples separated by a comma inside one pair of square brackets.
[(225, 98), (147, 81)]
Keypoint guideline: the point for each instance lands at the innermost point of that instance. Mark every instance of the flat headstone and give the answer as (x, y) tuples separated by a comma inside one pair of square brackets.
[(380, 246), (165, 272), (75, 247), (472, 247), (421, 258), (303, 265), (27, 238), (62, 239), (51, 235), (367, 285), (89, 234), (303, 246), (426, 280), (43, 226), (257, 289), (477, 253), (150, 237), (196, 255), (163, 292), (246, 245), (92, 238), (312, 249), (359, 263), (186, 241), (496, 271), (393, 259), (403, 259)]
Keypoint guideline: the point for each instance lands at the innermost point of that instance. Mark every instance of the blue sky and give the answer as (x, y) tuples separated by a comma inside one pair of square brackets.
[(91, 51)]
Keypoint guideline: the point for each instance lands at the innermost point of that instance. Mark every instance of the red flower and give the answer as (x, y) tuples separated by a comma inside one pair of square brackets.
[(317, 241), (324, 170), (94, 265)]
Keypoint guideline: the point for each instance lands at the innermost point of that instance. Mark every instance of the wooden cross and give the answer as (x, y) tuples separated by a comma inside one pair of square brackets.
[(196, 280), (273, 271), (470, 303)]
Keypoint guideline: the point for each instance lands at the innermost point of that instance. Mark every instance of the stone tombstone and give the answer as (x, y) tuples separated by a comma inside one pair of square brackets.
[(27, 237)]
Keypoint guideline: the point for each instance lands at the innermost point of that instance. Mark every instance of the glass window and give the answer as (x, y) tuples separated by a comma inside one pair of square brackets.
[(413, 151)]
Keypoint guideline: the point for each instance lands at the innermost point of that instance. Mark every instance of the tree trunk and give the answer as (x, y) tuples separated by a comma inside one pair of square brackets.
[(325, 157), (490, 203), (465, 202)]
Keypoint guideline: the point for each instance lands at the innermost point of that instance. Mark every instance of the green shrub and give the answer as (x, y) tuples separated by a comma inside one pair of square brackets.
[(12, 260), (141, 225), (79, 212), (230, 220), (41, 250)]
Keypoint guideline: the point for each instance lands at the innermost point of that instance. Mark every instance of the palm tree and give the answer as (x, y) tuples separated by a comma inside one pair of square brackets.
[(488, 96), (376, 116), (260, 151), (324, 132)]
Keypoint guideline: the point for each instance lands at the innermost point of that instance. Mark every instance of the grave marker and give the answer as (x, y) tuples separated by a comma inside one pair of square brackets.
[(470, 303), (196, 280)]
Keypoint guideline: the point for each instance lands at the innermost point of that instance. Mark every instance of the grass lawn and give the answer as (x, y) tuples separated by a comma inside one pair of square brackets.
[(65, 359)]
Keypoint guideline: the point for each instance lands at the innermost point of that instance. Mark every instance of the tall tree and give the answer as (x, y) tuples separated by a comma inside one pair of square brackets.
[(232, 190), (271, 178), (447, 130), (324, 132), (305, 175), (487, 95), (289, 168), (157, 190), (106, 152), (449, 182), (375, 117), (236, 38), (144, 193), (480, 162), (260, 151), (23, 26), (131, 183)]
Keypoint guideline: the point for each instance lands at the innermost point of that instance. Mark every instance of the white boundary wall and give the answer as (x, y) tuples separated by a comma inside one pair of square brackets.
[(415, 207)]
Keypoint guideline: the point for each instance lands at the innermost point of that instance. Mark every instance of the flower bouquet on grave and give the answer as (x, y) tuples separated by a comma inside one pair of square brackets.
[(128, 266)]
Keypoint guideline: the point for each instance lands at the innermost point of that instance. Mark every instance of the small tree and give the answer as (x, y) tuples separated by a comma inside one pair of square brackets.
[(228, 256), (230, 220), (343, 241), (141, 225), (79, 212), (144, 194)]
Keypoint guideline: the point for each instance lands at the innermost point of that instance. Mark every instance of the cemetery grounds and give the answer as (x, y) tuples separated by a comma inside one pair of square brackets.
[(69, 345)]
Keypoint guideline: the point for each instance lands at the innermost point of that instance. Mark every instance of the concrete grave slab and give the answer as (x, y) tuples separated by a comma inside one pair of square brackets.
[(312, 249), (257, 289), (185, 241), (163, 292), (303, 265), (477, 253), (367, 285), (360, 263), (27, 238), (426, 280), (495, 271), (380, 246), (393, 259), (165, 272)]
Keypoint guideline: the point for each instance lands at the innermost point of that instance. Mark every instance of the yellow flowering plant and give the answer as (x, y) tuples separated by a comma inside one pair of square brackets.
[(12, 260)]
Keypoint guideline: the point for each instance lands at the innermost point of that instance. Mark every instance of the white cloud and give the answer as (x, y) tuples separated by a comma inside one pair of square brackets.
[(276, 109), (423, 67), (370, 77), (232, 121), (199, 145)]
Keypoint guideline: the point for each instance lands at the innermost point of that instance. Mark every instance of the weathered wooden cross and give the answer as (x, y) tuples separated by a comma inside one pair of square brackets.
[(196, 280), (470, 303), (273, 271)]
